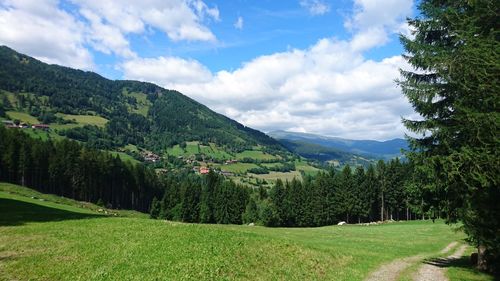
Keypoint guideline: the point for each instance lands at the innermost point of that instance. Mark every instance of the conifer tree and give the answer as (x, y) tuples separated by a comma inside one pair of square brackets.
[(455, 87)]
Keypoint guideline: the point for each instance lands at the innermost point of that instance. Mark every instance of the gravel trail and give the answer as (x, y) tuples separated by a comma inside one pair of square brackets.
[(391, 271)]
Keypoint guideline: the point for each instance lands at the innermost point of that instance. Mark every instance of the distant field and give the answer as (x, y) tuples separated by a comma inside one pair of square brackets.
[(125, 157), (142, 103), (176, 150), (237, 168), (304, 166), (43, 135), (85, 119), (22, 116), (273, 176), (255, 154), (192, 148), (42, 240)]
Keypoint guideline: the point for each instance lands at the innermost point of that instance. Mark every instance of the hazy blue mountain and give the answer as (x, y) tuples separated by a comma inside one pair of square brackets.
[(369, 148)]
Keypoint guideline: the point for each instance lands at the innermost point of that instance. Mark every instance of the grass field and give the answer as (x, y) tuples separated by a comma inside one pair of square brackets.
[(273, 176), (142, 103), (43, 135), (22, 116), (85, 119), (255, 154), (43, 240), (237, 167), (125, 157)]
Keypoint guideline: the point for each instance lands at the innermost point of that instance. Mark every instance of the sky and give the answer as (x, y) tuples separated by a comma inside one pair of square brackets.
[(317, 66)]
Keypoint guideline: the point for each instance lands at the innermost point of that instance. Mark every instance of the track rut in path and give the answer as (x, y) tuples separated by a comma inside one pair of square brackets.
[(434, 270), (392, 270)]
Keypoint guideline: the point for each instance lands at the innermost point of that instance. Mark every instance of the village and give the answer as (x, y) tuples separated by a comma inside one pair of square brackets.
[(23, 125)]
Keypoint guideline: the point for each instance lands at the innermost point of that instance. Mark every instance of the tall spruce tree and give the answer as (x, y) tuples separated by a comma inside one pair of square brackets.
[(455, 87)]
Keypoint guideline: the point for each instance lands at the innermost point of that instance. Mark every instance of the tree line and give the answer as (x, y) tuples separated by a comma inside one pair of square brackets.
[(70, 169), (386, 191)]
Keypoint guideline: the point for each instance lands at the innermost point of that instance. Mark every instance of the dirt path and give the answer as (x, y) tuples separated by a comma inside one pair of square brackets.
[(434, 270), (392, 270)]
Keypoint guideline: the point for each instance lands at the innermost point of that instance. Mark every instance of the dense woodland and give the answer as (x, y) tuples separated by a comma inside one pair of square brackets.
[(69, 169), (168, 117), (73, 170)]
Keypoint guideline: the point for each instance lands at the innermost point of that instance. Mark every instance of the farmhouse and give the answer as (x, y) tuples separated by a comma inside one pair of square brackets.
[(204, 170), (44, 127), (150, 156)]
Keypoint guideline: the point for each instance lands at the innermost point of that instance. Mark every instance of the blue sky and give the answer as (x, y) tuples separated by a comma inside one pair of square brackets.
[(316, 66)]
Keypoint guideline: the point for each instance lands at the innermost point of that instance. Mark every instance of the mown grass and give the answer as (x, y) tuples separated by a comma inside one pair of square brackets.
[(461, 269), (237, 167), (22, 116), (273, 176), (142, 103), (78, 245), (8, 190), (43, 135), (125, 157), (85, 119), (255, 154)]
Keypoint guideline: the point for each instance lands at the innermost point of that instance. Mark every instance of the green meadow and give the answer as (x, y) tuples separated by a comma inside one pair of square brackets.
[(45, 237)]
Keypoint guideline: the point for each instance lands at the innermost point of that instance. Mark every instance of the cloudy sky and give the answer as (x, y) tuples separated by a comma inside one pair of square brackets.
[(316, 66)]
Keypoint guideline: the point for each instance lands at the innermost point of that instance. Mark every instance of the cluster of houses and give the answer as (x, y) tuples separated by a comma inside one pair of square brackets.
[(205, 170), (201, 170), (22, 125), (150, 156)]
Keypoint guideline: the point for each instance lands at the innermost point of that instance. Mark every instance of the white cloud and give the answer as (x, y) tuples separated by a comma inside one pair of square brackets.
[(373, 21), (239, 23), (315, 7), (179, 19), (169, 70), (387, 13), (39, 28), (329, 88)]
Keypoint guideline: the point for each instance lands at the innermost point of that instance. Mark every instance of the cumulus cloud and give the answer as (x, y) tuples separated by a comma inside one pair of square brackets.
[(239, 23), (179, 19), (169, 70), (43, 29), (328, 88), (315, 7)]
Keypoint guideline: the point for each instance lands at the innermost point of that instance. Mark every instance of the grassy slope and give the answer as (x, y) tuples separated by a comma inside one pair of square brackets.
[(59, 242), (22, 116), (55, 201)]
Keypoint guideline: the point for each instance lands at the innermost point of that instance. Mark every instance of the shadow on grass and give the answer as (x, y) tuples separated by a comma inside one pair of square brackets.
[(14, 212), (461, 263)]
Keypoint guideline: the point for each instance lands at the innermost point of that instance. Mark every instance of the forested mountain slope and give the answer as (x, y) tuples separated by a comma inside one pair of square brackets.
[(114, 113)]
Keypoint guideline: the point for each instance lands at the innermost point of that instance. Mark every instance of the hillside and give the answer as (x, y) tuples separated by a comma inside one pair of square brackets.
[(113, 114), (326, 148), (333, 156), (79, 244)]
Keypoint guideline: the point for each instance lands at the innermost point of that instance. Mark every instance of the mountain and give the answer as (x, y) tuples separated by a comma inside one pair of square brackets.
[(306, 144), (321, 153), (110, 114)]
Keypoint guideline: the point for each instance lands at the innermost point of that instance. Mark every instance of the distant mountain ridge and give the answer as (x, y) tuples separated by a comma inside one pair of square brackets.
[(370, 148)]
